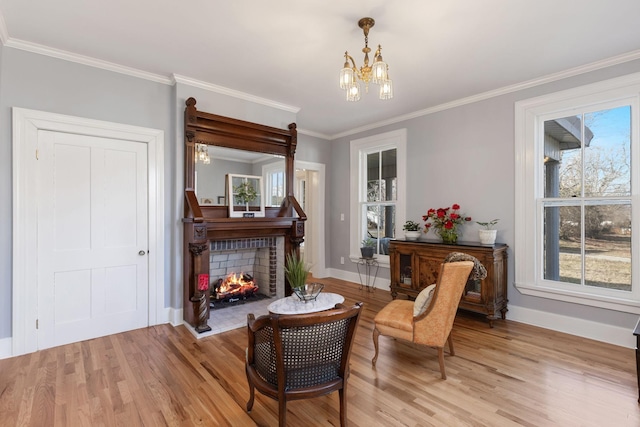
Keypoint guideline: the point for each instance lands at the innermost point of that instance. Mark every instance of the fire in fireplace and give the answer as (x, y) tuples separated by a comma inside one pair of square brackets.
[(234, 287)]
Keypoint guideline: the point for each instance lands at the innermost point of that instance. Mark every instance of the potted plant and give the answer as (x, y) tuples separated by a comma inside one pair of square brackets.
[(487, 234), (368, 247), (296, 271), (411, 230), (245, 193)]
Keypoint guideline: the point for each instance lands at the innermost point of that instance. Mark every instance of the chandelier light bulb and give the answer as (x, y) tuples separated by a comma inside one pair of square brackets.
[(353, 91), (346, 75), (386, 89)]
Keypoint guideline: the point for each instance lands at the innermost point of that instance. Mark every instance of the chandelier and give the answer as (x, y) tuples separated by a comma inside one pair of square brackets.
[(377, 73), (202, 154)]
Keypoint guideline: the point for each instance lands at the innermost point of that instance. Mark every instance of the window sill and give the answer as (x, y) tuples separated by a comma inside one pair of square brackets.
[(606, 302)]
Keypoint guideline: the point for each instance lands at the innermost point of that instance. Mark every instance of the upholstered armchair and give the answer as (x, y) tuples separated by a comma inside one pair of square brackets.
[(429, 319), (301, 356)]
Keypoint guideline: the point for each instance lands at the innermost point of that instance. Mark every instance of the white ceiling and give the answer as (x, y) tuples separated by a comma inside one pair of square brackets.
[(291, 51)]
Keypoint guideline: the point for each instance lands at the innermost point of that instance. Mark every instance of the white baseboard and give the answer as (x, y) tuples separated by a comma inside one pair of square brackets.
[(174, 316), (556, 322), (355, 278), (583, 328), (5, 348)]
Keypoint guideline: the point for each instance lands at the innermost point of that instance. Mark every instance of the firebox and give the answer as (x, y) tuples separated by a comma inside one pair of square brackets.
[(240, 268), (234, 287)]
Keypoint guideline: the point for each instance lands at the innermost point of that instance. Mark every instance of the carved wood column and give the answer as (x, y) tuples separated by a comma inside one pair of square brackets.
[(199, 289)]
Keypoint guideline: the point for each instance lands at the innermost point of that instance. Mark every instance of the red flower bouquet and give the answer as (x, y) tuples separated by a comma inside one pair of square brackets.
[(445, 222)]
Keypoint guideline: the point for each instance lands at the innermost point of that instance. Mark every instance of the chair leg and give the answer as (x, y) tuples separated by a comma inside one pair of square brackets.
[(282, 412), (251, 394), (441, 361), (450, 340), (343, 405), (375, 345), (250, 402)]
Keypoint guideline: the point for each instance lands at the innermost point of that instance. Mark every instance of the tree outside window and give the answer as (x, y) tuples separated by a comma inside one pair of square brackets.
[(586, 208)]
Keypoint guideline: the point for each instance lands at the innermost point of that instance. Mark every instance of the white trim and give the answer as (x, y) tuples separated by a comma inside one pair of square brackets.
[(615, 335), (234, 93), (110, 66), (528, 115), (350, 276), (398, 140), (85, 60), (4, 34), (5, 348), (314, 134), (320, 267), (571, 72), (174, 316), (26, 124)]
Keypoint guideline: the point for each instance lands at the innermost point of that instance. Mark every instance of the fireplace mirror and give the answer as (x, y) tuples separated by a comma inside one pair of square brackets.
[(210, 177)]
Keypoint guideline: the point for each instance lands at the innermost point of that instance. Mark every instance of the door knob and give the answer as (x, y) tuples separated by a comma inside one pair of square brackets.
[(141, 253)]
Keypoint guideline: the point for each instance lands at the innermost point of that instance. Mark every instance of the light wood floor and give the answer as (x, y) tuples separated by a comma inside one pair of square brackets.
[(511, 375)]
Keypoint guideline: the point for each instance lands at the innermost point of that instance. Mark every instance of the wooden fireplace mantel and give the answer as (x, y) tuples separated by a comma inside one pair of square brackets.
[(203, 224)]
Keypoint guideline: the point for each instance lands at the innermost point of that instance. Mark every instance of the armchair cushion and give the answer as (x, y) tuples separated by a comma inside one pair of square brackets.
[(396, 319), (423, 300)]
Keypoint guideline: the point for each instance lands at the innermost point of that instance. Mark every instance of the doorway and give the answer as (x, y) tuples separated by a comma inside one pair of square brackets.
[(309, 191), (88, 204)]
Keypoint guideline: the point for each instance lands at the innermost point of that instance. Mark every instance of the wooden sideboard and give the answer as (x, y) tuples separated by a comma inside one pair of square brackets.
[(415, 265)]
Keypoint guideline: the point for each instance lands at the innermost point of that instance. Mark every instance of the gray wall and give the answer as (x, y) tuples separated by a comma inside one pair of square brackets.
[(43, 83), (465, 155)]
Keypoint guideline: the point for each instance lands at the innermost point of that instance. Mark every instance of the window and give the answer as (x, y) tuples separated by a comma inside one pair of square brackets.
[(274, 183), (575, 195), (377, 190)]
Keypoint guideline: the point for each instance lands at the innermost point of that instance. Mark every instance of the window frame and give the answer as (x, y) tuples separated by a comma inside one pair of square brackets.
[(267, 172), (359, 148), (530, 116)]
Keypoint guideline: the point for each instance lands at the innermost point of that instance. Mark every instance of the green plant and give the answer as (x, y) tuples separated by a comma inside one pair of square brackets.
[(411, 226), (489, 224), (245, 193), (368, 242), (296, 270)]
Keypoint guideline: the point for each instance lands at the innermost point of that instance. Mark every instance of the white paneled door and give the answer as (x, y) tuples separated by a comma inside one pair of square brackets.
[(92, 237)]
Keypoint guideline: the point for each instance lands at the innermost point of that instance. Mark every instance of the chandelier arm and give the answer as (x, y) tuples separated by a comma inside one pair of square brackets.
[(350, 58)]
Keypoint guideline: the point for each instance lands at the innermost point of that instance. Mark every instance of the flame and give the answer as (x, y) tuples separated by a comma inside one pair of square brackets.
[(235, 284)]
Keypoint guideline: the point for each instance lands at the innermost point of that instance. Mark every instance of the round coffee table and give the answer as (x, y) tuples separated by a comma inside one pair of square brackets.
[(293, 305)]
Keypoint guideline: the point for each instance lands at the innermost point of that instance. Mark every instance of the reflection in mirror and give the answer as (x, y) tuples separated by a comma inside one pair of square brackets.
[(210, 178), (274, 181)]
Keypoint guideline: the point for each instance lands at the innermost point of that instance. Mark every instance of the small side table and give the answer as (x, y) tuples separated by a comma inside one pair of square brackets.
[(368, 270), (636, 332), (293, 305)]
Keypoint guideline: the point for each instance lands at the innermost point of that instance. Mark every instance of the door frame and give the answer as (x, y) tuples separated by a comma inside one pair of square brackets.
[(26, 125), (317, 191)]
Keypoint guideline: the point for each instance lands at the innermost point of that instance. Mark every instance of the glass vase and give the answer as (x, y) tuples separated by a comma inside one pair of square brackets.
[(449, 236)]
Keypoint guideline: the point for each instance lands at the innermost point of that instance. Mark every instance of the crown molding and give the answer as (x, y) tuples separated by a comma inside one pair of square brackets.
[(4, 34), (315, 134), (110, 66), (233, 93), (85, 60), (571, 72)]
